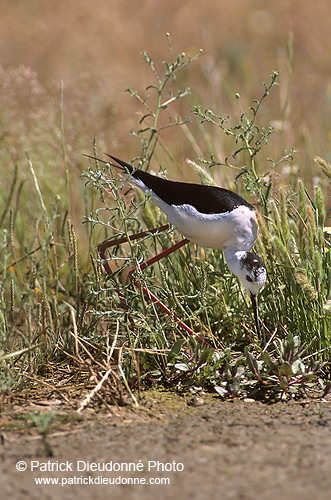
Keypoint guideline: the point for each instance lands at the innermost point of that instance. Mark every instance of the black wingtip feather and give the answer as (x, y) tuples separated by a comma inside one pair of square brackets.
[(122, 165), (95, 158)]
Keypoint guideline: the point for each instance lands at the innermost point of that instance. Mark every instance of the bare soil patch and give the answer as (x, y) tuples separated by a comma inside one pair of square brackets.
[(229, 450)]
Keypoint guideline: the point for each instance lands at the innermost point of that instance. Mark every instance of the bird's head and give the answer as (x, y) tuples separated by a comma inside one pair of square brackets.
[(250, 270)]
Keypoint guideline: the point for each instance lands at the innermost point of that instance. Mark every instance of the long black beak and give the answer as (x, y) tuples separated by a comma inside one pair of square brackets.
[(256, 317)]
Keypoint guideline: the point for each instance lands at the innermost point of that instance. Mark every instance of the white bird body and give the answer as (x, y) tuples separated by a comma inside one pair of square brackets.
[(238, 227), (229, 229)]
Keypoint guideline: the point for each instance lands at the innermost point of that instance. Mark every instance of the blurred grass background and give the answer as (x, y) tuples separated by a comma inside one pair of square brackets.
[(93, 49), (64, 70)]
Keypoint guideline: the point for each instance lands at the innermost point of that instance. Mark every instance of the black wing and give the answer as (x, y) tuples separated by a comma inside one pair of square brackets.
[(206, 199)]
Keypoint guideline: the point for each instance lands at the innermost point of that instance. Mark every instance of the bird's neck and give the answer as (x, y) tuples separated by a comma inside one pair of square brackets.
[(233, 260)]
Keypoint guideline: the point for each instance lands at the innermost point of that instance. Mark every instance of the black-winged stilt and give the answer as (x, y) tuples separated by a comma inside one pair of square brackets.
[(209, 216)]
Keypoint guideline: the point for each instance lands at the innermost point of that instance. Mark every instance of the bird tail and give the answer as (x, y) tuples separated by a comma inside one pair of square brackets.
[(122, 165)]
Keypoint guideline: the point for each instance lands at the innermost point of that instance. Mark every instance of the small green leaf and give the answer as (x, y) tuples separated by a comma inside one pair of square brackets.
[(175, 349), (285, 370), (206, 355), (252, 363), (271, 364)]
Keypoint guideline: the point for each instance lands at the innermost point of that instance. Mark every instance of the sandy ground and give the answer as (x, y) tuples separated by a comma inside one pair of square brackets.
[(217, 450)]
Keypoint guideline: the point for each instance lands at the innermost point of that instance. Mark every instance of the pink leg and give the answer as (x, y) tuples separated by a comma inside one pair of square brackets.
[(117, 241), (152, 260), (149, 294), (107, 244)]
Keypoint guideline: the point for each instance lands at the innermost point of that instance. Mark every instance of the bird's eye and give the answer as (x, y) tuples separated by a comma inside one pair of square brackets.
[(249, 279)]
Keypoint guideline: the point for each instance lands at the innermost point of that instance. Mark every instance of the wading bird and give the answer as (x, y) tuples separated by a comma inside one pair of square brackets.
[(209, 216)]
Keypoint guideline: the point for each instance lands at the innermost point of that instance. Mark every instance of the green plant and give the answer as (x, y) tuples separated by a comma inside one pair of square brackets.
[(157, 101), (288, 371), (43, 423), (58, 304)]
